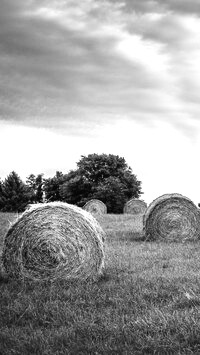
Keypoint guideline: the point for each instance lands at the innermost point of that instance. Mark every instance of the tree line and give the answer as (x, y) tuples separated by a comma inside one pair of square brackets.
[(106, 177)]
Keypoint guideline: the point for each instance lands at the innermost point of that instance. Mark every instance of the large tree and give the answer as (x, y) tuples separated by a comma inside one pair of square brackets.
[(106, 177), (14, 194)]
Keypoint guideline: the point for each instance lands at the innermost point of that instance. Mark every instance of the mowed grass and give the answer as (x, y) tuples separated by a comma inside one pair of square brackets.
[(146, 302)]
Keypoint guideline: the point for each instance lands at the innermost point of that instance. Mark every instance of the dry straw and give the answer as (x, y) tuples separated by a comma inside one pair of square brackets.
[(54, 241), (135, 206), (171, 217), (95, 206)]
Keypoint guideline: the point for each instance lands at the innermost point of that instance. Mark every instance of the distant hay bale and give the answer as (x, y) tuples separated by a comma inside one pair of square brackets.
[(95, 206), (135, 206), (171, 217), (53, 241)]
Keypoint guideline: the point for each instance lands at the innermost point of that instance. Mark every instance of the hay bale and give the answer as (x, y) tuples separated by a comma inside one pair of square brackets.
[(95, 206), (171, 217), (54, 241), (135, 206)]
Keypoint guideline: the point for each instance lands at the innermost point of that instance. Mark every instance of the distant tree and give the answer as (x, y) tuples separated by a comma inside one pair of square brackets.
[(52, 187), (106, 177), (35, 185), (14, 194), (30, 181), (39, 188)]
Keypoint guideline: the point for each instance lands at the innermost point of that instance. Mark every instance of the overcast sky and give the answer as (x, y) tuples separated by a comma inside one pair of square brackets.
[(102, 76)]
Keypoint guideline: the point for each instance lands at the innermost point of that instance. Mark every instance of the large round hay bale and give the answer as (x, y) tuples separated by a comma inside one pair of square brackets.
[(135, 206), (54, 241), (171, 217), (95, 206)]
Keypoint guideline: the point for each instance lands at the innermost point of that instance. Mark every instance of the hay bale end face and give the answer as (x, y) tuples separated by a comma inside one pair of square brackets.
[(54, 241), (171, 217), (95, 206), (135, 206)]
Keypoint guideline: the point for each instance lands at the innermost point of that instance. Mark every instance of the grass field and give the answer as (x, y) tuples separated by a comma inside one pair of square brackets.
[(147, 301)]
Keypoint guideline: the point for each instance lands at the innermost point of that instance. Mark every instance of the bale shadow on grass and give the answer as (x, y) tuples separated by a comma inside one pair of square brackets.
[(126, 236), (30, 285)]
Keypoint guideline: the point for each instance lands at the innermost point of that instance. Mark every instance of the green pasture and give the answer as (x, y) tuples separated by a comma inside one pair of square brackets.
[(146, 302)]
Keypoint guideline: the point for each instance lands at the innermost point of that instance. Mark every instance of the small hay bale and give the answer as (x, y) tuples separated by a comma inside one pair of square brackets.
[(135, 206), (95, 206), (54, 241), (171, 217)]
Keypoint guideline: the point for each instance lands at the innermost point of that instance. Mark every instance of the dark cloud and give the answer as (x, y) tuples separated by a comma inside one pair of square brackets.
[(183, 6), (139, 6), (147, 6), (167, 30)]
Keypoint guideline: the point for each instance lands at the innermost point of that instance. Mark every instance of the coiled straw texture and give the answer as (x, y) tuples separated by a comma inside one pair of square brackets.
[(135, 206), (95, 206), (54, 241), (171, 217)]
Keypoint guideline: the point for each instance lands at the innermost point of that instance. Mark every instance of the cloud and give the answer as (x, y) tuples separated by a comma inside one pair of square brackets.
[(68, 64), (183, 6), (156, 6)]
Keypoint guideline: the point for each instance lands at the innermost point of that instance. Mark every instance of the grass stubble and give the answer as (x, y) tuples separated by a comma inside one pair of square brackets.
[(146, 302)]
